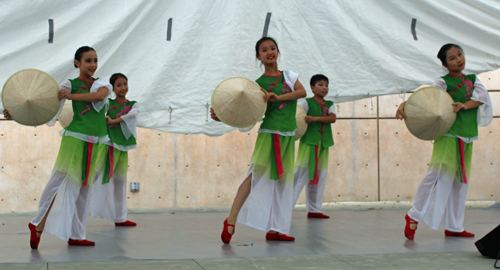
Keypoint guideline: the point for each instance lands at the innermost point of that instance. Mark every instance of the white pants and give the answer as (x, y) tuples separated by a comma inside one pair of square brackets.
[(314, 194), (438, 196), (110, 200), (69, 213), (269, 204)]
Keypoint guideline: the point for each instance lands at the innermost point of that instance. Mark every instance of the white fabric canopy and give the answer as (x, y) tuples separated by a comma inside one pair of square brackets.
[(365, 47)]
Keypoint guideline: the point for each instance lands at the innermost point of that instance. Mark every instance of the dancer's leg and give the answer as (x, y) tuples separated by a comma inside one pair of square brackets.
[(239, 200), (41, 225)]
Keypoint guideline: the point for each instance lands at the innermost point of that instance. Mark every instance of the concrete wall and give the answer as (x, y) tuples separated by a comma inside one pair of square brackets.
[(374, 158)]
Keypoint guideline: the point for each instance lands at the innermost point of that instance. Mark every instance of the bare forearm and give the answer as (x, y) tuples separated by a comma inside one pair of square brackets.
[(299, 93), (471, 104), (100, 95), (89, 97), (330, 119), (117, 120)]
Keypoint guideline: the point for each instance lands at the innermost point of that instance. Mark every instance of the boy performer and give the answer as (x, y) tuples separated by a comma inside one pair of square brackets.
[(311, 167)]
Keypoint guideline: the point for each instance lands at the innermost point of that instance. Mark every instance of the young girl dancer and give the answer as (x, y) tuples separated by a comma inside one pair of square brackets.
[(311, 166), (269, 181), (80, 156), (443, 190), (110, 190)]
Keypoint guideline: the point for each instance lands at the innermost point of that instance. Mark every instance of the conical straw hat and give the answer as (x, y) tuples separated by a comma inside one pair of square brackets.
[(30, 96), (300, 116), (66, 115), (429, 113), (239, 102)]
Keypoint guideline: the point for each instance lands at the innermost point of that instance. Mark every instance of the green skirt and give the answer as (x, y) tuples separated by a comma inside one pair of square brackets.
[(445, 157), (79, 160), (116, 165)]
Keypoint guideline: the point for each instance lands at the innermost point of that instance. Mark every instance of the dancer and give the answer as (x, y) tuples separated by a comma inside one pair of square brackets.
[(81, 154), (269, 181), (443, 190), (110, 190), (312, 160)]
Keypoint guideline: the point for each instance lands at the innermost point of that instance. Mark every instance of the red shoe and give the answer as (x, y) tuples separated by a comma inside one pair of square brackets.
[(83, 242), (226, 236), (317, 215), (279, 237), (460, 234), (409, 233), (34, 239), (127, 223)]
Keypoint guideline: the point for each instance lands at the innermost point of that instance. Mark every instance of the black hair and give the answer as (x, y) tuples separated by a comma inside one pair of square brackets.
[(316, 78), (80, 51), (257, 45), (444, 49), (115, 77)]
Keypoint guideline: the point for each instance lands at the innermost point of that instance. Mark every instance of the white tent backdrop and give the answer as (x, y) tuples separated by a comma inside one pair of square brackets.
[(365, 47)]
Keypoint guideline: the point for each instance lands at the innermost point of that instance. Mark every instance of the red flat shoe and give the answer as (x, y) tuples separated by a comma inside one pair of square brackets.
[(83, 242), (409, 233), (317, 215), (226, 236), (127, 223), (460, 234), (34, 239), (279, 237)]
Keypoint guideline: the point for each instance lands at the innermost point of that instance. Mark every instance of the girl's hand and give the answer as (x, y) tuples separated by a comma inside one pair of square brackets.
[(109, 120), (458, 106), (64, 94), (271, 97), (6, 114), (310, 119), (400, 113), (212, 114)]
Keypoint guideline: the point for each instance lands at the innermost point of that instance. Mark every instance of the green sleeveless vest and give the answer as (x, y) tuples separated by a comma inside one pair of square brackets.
[(279, 116), (117, 109), (461, 89), (86, 120), (318, 133)]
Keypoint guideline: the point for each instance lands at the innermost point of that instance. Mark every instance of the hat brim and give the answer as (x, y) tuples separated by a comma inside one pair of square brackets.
[(300, 117), (429, 113), (238, 102), (31, 97), (66, 115)]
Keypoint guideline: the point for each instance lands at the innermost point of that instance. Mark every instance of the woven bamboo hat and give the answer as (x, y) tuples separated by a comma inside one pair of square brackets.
[(30, 96), (66, 115), (239, 102), (300, 116), (429, 114)]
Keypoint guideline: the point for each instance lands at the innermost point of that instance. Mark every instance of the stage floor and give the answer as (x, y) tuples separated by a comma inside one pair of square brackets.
[(371, 239)]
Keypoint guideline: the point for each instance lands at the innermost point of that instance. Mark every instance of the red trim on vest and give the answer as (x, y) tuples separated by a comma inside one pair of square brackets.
[(458, 85)]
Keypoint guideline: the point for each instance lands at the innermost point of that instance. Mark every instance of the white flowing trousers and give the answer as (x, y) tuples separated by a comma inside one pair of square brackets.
[(69, 213), (314, 194), (110, 200), (440, 196), (269, 204)]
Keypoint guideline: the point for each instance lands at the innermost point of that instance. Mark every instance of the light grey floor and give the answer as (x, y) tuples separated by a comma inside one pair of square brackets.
[(189, 240)]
